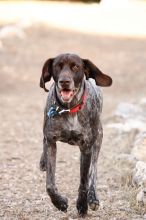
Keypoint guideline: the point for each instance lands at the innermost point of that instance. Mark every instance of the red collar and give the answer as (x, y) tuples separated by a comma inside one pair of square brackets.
[(80, 105)]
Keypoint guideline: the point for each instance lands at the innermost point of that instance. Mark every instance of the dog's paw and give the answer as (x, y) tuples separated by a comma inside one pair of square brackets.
[(82, 205), (93, 201), (61, 203), (42, 163), (94, 205)]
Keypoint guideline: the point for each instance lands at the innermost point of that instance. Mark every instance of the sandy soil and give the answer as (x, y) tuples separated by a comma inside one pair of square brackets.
[(22, 185)]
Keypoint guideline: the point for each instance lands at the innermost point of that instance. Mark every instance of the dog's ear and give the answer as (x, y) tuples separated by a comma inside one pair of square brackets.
[(91, 71), (46, 73)]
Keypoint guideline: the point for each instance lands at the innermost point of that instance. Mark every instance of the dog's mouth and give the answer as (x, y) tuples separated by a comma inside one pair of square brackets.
[(67, 94)]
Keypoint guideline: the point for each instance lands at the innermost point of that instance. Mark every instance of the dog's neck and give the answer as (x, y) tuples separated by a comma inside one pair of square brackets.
[(76, 99)]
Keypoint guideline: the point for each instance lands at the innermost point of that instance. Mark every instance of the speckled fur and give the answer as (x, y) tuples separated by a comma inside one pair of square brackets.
[(83, 129)]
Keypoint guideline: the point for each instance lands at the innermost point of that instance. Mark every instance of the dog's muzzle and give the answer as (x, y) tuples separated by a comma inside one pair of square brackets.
[(66, 89)]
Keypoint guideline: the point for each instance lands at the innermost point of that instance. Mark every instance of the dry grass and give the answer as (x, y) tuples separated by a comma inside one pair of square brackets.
[(23, 193)]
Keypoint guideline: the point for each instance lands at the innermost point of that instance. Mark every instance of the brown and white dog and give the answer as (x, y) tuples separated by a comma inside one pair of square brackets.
[(72, 115)]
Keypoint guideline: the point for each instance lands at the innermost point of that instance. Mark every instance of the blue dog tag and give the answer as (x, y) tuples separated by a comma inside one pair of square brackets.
[(52, 112)]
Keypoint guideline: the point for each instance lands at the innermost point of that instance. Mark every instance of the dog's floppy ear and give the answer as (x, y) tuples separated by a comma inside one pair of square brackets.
[(91, 71), (46, 73)]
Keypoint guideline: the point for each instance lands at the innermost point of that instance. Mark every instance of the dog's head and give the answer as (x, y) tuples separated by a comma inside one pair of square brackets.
[(68, 71)]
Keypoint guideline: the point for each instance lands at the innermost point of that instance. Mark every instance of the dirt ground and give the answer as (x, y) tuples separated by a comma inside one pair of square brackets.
[(22, 185)]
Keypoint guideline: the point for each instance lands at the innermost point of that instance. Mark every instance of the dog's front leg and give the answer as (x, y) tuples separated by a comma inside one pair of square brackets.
[(85, 161), (92, 192), (93, 200), (59, 202), (43, 160)]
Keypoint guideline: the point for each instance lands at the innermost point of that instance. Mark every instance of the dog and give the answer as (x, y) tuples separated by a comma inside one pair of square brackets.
[(72, 115)]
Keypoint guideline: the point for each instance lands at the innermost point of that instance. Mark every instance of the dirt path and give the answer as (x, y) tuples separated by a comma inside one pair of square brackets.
[(22, 185)]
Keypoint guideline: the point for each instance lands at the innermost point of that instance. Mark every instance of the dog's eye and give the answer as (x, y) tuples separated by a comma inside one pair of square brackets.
[(75, 67), (60, 65)]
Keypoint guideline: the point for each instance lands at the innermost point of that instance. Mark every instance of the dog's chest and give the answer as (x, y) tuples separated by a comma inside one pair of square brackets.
[(73, 124), (71, 131)]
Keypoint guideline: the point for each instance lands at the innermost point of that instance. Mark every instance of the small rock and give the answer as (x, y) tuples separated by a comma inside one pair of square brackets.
[(128, 110), (139, 177), (128, 125), (129, 116), (139, 149), (141, 197)]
